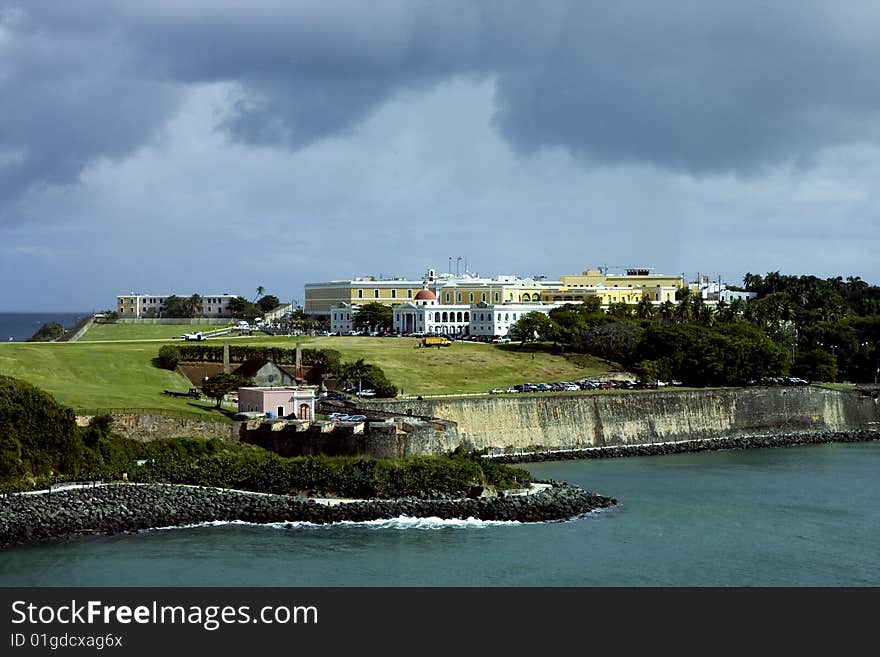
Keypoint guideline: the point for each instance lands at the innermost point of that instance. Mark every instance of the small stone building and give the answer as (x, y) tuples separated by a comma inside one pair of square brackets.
[(281, 401), (266, 373)]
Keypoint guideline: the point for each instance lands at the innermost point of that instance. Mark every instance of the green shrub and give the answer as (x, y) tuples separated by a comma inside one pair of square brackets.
[(168, 358)]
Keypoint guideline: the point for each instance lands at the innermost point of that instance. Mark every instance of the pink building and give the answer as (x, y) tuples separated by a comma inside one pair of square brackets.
[(298, 402)]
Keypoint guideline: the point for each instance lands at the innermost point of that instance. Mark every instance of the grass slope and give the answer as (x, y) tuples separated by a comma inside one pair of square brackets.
[(97, 376), (462, 367), (106, 332), (108, 373)]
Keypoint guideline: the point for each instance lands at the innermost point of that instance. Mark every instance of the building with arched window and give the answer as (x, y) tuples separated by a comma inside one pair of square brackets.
[(292, 402), (425, 314)]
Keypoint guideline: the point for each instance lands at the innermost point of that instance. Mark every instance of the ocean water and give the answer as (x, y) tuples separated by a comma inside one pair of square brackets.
[(776, 517), (21, 326)]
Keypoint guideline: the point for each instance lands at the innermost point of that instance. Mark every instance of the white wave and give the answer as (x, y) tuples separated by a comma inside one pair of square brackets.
[(401, 522)]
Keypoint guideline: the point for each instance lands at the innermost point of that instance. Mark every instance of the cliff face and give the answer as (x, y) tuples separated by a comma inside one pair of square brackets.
[(576, 421)]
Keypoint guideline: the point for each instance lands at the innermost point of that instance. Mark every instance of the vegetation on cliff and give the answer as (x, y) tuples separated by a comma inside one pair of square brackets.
[(41, 443), (47, 332), (38, 436)]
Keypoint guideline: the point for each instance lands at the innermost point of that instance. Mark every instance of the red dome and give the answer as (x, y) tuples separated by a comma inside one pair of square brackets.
[(425, 295)]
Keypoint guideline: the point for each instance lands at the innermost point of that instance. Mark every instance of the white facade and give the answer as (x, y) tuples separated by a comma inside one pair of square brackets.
[(431, 317), (495, 320), (341, 317), (729, 295), (715, 291), (478, 319), (153, 305)]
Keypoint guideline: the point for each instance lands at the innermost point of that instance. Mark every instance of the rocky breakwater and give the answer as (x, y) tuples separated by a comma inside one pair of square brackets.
[(118, 508), (685, 446)]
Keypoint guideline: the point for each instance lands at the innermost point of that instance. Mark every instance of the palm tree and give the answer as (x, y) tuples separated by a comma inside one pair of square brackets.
[(356, 372), (683, 310), (644, 309), (195, 305), (260, 290)]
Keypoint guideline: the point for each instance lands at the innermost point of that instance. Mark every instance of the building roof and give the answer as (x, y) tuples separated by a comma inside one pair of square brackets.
[(425, 295), (250, 367)]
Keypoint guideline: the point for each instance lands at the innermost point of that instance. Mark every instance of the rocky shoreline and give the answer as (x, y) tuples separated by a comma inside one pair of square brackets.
[(127, 508), (685, 446)]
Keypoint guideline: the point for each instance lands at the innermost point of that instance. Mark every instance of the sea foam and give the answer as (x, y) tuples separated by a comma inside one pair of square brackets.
[(401, 522)]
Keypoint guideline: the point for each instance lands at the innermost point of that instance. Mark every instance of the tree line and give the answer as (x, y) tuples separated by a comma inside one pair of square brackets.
[(821, 330)]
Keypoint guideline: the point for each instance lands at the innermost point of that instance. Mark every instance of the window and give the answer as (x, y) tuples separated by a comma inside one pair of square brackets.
[(409, 294), (467, 317), (458, 297), (360, 294), (445, 318), (471, 297), (393, 294), (483, 297), (375, 294), (436, 317), (459, 317), (496, 297), (506, 317), (447, 297)]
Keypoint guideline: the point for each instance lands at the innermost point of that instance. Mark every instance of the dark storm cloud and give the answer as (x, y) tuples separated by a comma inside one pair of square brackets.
[(701, 87), (693, 86)]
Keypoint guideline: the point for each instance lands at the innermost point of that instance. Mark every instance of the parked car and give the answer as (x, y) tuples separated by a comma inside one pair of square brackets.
[(367, 393), (496, 391)]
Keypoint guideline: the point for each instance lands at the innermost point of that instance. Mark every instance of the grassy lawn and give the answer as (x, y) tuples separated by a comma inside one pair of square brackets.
[(105, 332), (462, 367), (97, 376)]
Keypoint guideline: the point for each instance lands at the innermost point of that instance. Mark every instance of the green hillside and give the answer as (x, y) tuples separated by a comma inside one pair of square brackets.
[(108, 374)]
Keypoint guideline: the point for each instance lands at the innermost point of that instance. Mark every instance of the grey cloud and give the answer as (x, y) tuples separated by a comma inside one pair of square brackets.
[(701, 89), (690, 86)]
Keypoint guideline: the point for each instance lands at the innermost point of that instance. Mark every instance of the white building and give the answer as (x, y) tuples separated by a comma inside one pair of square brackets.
[(495, 320), (424, 314), (153, 305), (717, 291), (341, 318)]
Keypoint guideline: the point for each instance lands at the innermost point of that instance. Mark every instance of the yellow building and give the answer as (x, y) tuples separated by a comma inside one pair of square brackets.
[(630, 287), (322, 298)]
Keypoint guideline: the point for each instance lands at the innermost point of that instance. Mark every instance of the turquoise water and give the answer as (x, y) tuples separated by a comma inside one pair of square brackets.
[(793, 516)]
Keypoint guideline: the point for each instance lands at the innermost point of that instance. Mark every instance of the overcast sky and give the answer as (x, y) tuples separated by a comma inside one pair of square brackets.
[(176, 146)]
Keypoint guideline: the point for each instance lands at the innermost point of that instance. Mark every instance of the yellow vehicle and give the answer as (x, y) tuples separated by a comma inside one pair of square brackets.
[(436, 341)]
